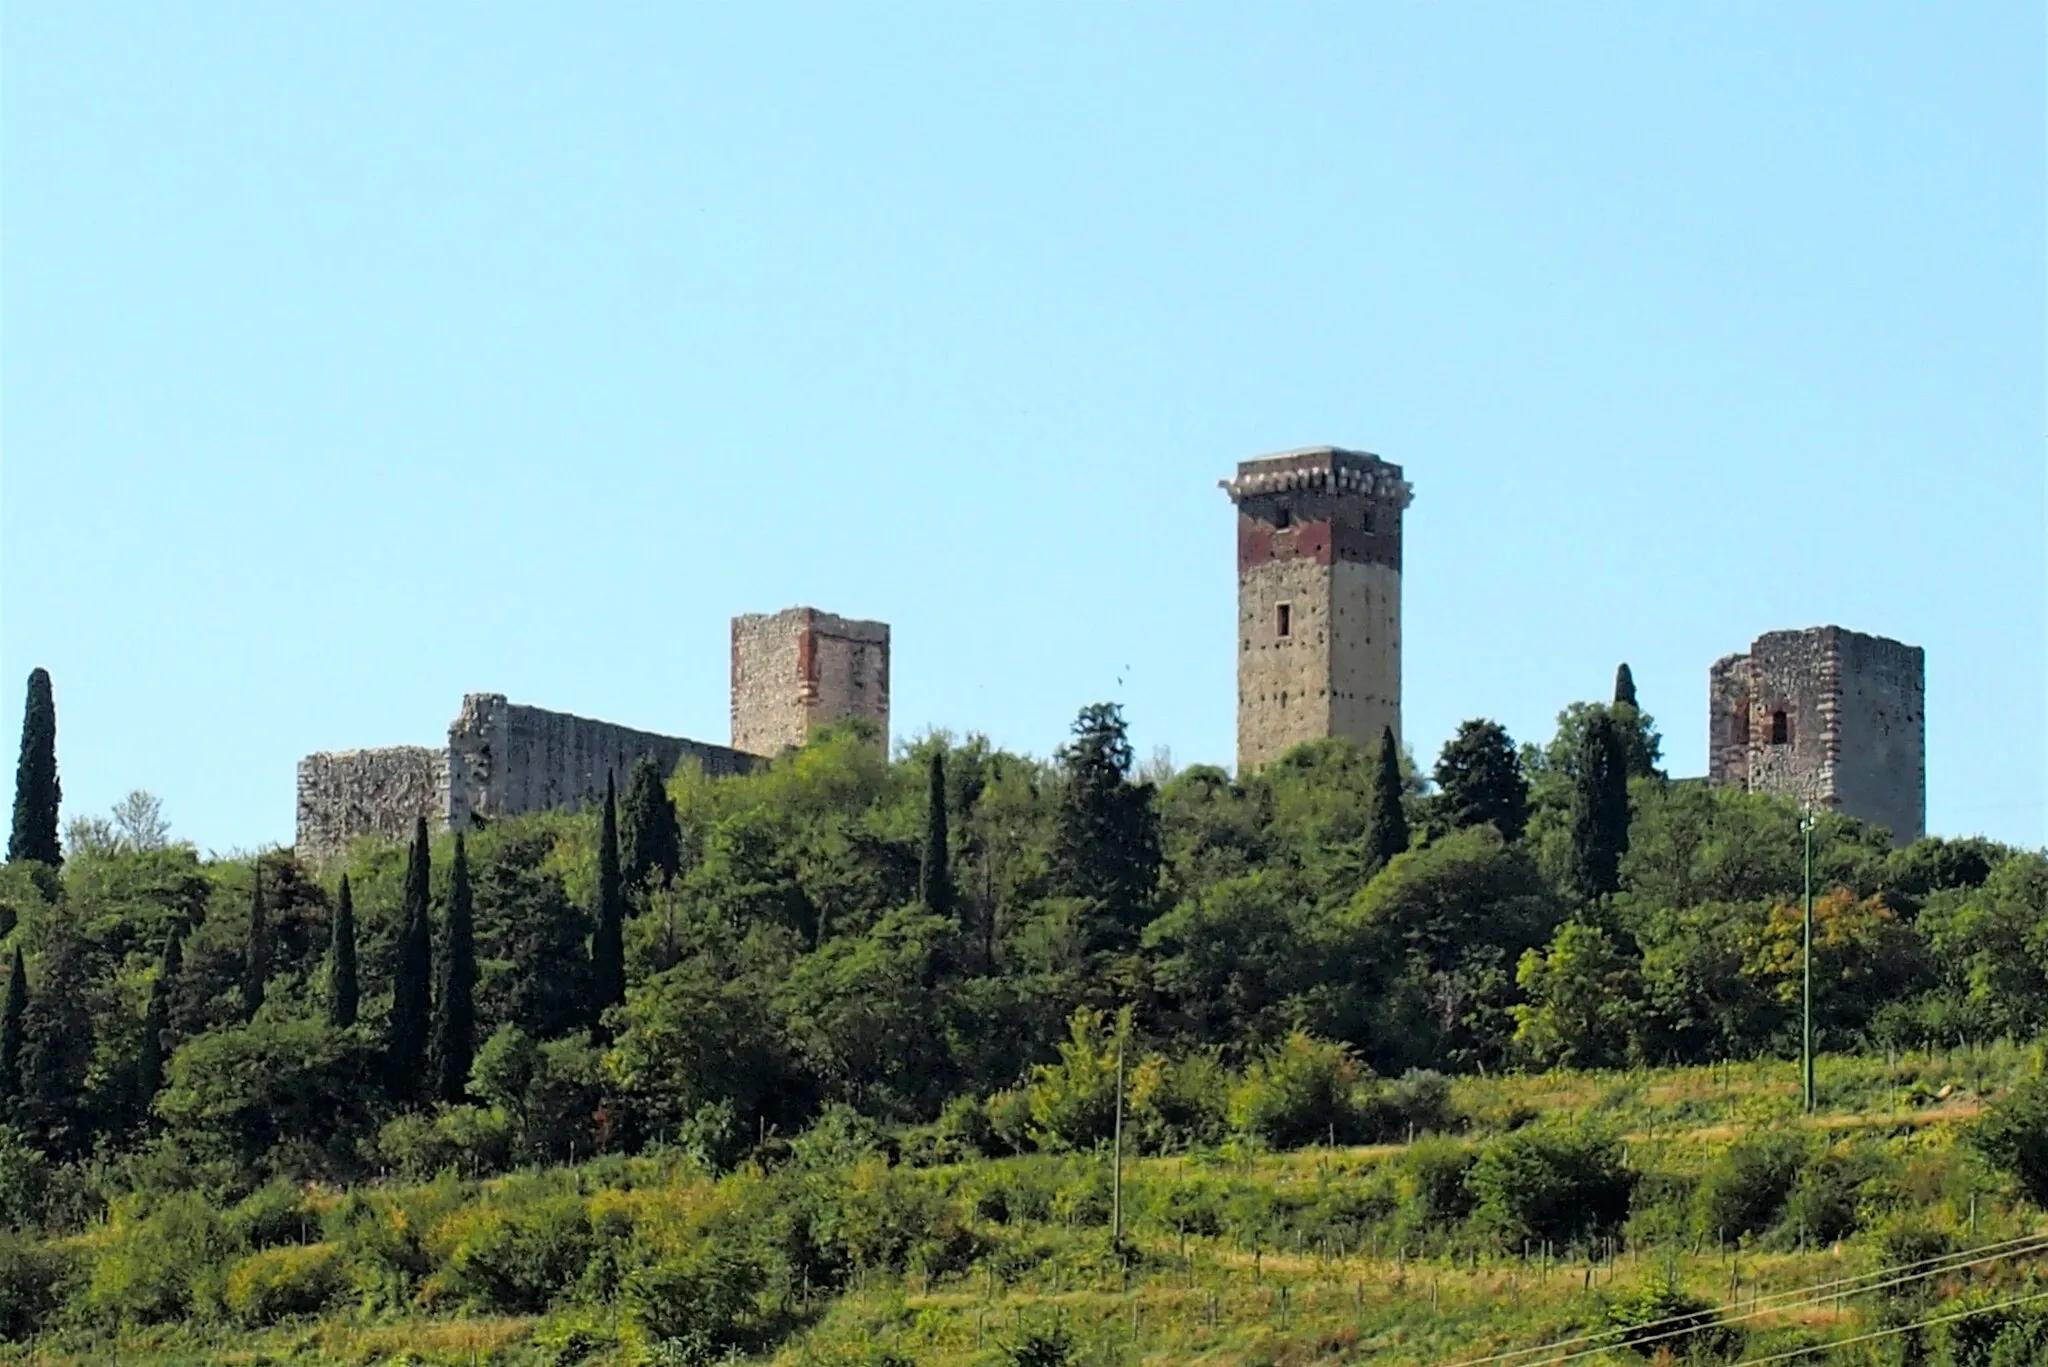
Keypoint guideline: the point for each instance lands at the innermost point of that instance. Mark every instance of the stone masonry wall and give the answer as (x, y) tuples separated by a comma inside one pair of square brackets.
[(1319, 599), (798, 670), (348, 794), (506, 759), (1825, 716)]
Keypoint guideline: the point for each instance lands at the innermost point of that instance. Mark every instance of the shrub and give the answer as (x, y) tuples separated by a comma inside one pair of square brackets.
[(1437, 1174), (1824, 1201), (1176, 1105), (1550, 1184), (24, 1180), (1073, 1102), (889, 1218), (1009, 1119), (1041, 1347), (277, 1283), (1662, 1322), (2013, 1137), (515, 1256), (34, 1281), (462, 1139), (963, 1131), (270, 1216), (1301, 1093), (1743, 1192), (161, 1266), (1418, 1102), (699, 1303)]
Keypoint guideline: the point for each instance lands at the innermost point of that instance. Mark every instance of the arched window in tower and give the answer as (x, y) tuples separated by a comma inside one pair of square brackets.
[(1781, 728)]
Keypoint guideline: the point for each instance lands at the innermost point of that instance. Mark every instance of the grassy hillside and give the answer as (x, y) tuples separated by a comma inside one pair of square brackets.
[(1557, 1206)]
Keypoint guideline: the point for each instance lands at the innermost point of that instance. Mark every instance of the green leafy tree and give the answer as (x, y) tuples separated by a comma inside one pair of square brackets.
[(57, 1051), (533, 942), (1107, 848), (37, 794), (13, 1025), (156, 1020), (608, 943), (650, 837), (935, 872), (1480, 778), (1599, 811), (405, 1039), (239, 1093), (1583, 1000), (256, 957), (1388, 834), (452, 1048), (2013, 1136), (342, 989)]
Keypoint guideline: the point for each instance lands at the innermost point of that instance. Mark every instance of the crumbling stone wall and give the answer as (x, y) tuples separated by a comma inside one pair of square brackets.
[(798, 670), (1828, 717), (353, 793), (501, 759), (1318, 599)]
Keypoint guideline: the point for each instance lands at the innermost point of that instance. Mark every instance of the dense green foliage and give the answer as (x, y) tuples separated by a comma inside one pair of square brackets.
[(937, 959), (37, 793)]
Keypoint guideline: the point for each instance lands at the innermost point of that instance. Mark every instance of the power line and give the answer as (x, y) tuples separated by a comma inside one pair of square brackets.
[(1833, 1344), (1878, 1279)]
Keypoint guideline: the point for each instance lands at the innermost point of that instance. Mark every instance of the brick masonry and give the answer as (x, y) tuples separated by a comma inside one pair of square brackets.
[(1825, 716), (793, 672), (1318, 599)]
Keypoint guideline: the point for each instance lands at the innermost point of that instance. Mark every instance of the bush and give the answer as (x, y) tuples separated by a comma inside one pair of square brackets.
[(464, 1139), (158, 1267), (24, 1180), (1419, 1102), (699, 1304), (1009, 1119), (1744, 1191), (1549, 1184), (2013, 1137), (515, 1256), (1437, 1174), (1644, 1316), (1824, 1201), (889, 1218), (270, 1216), (1302, 1093), (34, 1282), (281, 1282)]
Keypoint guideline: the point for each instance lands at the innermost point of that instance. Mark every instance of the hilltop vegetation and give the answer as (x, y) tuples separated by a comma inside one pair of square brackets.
[(828, 1054)]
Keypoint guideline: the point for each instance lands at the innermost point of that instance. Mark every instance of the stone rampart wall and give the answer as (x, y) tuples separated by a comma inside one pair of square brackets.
[(348, 794)]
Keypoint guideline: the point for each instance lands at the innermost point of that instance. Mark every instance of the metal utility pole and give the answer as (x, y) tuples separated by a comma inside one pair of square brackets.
[(1116, 1172), (1806, 1034)]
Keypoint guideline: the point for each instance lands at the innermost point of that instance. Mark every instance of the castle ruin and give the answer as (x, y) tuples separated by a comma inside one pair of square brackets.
[(1834, 719), (792, 673), (1318, 599)]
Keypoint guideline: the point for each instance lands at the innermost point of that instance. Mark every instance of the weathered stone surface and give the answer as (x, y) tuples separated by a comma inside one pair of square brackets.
[(1318, 599), (1829, 717), (800, 669), (792, 673)]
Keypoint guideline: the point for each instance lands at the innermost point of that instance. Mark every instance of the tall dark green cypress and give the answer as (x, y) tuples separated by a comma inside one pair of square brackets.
[(1600, 807), (453, 1048), (342, 992), (1387, 833), (1624, 685), (608, 941), (37, 794), (156, 1021), (11, 1034), (935, 873), (650, 839), (256, 960), (405, 1041)]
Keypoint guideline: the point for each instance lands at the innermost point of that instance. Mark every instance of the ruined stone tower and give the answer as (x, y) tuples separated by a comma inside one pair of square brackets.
[(1318, 599), (797, 670), (1828, 717)]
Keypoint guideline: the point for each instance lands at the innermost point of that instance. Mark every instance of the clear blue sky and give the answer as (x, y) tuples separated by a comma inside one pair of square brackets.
[(357, 356)]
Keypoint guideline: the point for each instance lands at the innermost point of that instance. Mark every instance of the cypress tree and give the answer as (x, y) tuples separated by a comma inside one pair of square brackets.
[(935, 874), (1600, 807), (57, 1052), (1387, 834), (405, 1045), (453, 1049), (1106, 845), (11, 1031), (650, 838), (256, 962), (608, 943), (156, 1021), (1624, 686), (341, 962), (37, 793)]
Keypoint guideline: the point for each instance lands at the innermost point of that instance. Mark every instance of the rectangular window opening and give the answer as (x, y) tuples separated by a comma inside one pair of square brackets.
[(1283, 619)]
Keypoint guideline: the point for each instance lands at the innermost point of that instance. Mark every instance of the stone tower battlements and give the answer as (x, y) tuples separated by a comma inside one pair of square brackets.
[(1318, 599), (1825, 716), (798, 670)]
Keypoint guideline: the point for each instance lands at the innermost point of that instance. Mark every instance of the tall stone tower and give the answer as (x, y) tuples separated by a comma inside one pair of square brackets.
[(1825, 716), (797, 670), (1318, 599)]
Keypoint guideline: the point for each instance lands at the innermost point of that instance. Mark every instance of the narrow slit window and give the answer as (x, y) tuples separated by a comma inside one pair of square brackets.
[(1283, 620), (1781, 728), (1283, 518)]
